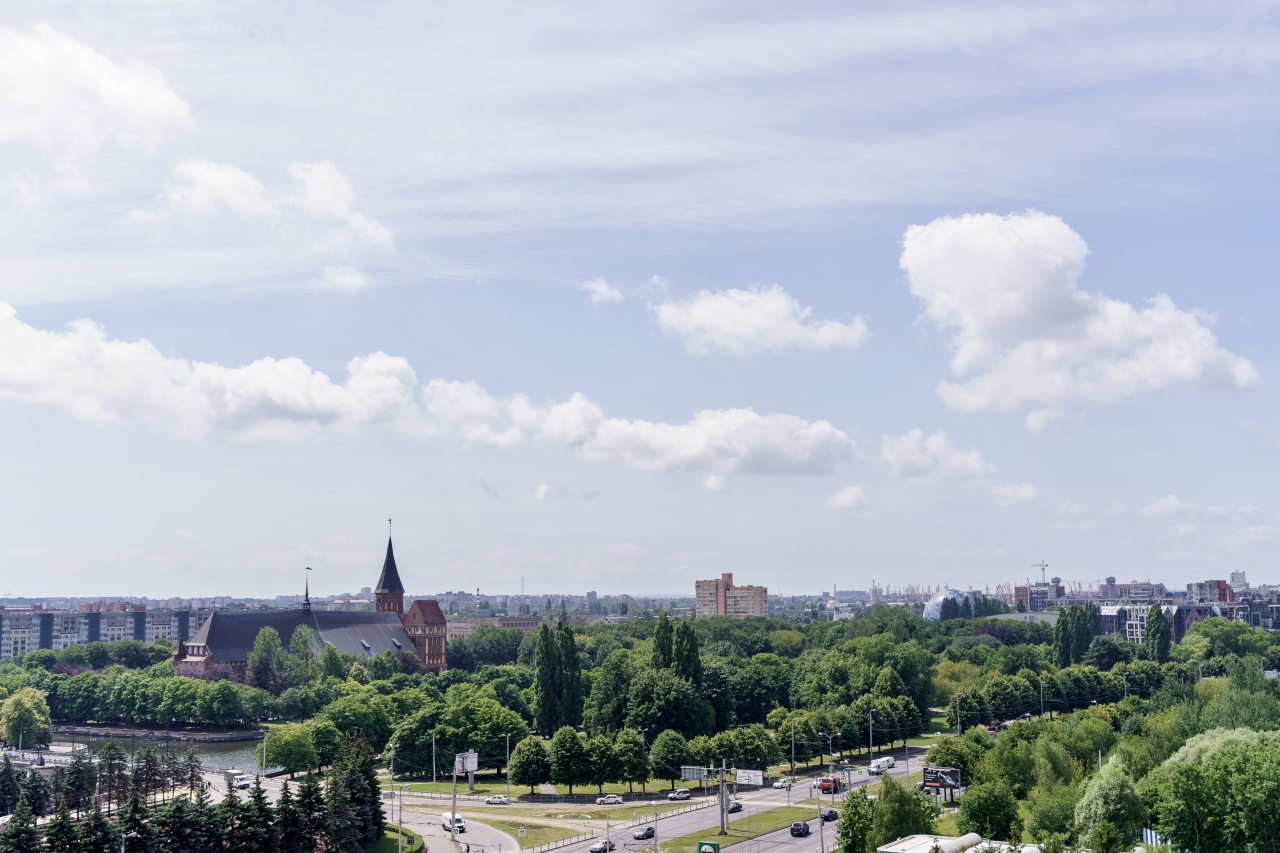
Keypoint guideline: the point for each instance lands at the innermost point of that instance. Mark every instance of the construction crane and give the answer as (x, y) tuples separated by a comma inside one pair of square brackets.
[(1042, 565)]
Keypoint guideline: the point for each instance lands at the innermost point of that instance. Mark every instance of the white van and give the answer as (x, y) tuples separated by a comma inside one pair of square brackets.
[(451, 822), (879, 765)]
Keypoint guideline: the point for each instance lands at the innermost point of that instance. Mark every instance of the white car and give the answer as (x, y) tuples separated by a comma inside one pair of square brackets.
[(679, 794), (498, 800), (609, 800), (784, 782)]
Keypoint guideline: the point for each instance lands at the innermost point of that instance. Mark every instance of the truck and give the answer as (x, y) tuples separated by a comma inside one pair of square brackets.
[(237, 779), (879, 765), (830, 785)]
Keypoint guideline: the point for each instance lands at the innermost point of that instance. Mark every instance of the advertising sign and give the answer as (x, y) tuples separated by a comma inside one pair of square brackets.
[(941, 777), (690, 771), (749, 777), (465, 762)]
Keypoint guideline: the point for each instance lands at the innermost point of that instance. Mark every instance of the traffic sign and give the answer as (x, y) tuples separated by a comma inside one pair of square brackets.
[(707, 847), (522, 832)]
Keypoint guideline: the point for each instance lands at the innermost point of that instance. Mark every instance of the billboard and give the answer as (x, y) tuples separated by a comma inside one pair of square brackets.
[(941, 777), (749, 777), (691, 771)]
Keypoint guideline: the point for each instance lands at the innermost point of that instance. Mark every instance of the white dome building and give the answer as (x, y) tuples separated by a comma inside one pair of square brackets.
[(933, 609)]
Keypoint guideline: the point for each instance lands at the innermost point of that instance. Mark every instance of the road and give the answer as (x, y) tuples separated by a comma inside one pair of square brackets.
[(422, 813)]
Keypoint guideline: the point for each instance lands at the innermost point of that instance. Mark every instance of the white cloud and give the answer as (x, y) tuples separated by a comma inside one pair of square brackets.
[(1250, 535), (94, 378), (98, 379), (601, 292), (929, 458), (69, 101), (1167, 505), (850, 497), (318, 195), (745, 322), (1026, 337), (1016, 492), (1071, 508), (342, 279)]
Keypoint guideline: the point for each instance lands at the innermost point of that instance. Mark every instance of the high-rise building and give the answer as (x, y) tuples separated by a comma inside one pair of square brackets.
[(719, 597), (1210, 592)]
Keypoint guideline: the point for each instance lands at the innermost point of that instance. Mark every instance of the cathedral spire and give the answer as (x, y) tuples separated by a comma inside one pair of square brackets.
[(306, 595), (389, 594)]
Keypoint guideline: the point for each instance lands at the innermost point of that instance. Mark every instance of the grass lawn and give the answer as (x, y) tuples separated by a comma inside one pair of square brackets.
[(535, 833), (484, 788), (946, 825), (628, 813), (744, 828)]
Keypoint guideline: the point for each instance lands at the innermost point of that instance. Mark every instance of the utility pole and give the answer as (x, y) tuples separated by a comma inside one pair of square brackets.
[(433, 761), (957, 713), (1042, 697), (871, 732), (793, 754), (724, 829), (506, 768), (453, 809)]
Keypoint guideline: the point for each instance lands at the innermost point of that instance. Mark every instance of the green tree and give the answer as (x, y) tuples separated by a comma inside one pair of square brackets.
[(257, 825), (328, 740), (289, 823), (602, 767), (663, 643), (901, 811), (853, 830), (548, 692), (96, 835), (1110, 797), (686, 661), (570, 678), (971, 704), (632, 759), (10, 787), (989, 810), (1158, 637), (19, 835), (301, 662), (24, 718), (292, 747), (265, 666), (660, 699), (570, 764), (530, 763), (607, 704), (137, 835), (60, 833), (670, 752), (368, 714), (311, 809)]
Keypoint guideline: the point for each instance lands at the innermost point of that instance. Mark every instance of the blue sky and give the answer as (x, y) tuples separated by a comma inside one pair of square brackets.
[(613, 298)]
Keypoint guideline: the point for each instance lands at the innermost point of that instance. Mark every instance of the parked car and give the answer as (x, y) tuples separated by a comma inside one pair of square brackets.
[(784, 782), (679, 794), (602, 846), (799, 829), (642, 833), (734, 806), (498, 800), (828, 815), (609, 800), (879, 765)]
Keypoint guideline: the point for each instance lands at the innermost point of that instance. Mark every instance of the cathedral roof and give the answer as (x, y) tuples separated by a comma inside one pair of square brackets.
[(229, 635), (389, 580)]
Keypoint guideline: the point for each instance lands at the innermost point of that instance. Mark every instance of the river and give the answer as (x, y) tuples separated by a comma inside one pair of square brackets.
[(220, 755)]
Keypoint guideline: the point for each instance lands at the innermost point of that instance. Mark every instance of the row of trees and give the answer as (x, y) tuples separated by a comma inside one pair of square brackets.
[(346, 814)]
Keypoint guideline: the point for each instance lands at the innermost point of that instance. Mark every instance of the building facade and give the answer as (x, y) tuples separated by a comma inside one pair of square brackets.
[(720, 597), (26, 629)]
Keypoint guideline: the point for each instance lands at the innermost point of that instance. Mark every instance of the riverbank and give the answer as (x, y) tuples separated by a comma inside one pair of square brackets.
[(134, 733)]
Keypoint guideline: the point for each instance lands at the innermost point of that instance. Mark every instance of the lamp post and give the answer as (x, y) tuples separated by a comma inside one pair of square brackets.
[(125, 838), (506, 768), (400, 819)]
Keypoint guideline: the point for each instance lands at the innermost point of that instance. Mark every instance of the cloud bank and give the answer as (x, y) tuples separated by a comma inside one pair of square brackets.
[(1025, 337), (95, 378)]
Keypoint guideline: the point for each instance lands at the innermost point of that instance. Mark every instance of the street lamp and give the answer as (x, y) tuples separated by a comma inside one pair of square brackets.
[(400, 819), (506, 768), (125, 838)]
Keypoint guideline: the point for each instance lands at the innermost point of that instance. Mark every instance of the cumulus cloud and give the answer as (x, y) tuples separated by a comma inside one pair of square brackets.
[(95, 378), (745, 322), (1025, 337), (850, 497), (68, 101), (931, 458), (317, 194), (1016, 492), (601, 292), (1167, 505)]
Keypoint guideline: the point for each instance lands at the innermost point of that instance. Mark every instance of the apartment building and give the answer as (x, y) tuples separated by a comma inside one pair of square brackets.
[(720, 597)]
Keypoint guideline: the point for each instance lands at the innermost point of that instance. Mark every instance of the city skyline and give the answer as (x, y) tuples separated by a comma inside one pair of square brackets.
[(629, 299)]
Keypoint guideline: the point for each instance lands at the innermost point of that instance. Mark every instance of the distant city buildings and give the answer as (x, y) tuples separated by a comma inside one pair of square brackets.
[(26, 629), (719, 597)]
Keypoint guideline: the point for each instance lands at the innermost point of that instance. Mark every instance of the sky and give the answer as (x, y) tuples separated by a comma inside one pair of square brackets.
[(617, 296)]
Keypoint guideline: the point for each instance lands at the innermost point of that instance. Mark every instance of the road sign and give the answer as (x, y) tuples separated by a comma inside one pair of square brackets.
[(749, 777), (707, 847), (690, 771), (522, 832)]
